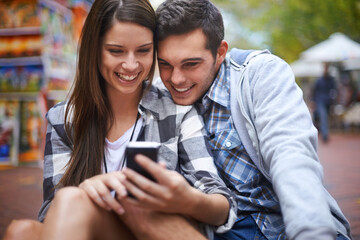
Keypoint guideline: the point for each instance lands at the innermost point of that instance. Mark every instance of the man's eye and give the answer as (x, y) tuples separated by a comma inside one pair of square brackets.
[(191, 64)]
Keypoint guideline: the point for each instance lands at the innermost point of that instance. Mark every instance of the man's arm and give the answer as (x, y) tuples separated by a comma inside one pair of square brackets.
[(288, 142)]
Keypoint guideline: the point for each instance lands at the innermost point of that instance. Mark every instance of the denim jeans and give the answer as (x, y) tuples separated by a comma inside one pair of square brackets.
[(322, 111), (244, 229), (247, 229), (340, 237)]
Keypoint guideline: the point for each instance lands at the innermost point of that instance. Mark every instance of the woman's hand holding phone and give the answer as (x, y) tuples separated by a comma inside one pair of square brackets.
[(149, 184), (170, 192)]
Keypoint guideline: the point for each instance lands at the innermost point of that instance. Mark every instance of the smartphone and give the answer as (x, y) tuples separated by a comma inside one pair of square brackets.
[(149, 149)]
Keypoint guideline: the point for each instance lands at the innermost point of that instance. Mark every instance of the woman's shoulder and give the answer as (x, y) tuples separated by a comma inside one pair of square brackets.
[(56, 114)]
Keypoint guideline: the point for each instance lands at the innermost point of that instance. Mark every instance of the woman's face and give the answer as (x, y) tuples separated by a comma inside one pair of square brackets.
[(126, 57)]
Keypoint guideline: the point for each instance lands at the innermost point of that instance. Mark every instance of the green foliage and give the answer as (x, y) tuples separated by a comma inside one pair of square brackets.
[(291, 26)]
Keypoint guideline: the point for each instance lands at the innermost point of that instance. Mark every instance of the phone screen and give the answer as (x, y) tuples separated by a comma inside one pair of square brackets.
[(149, 149)]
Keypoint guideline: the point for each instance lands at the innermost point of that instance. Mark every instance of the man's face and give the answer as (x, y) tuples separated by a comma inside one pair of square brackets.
[(187, 68)]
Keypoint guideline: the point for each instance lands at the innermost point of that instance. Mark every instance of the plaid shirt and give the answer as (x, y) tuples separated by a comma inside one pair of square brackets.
[(255, 194), (180, 131)]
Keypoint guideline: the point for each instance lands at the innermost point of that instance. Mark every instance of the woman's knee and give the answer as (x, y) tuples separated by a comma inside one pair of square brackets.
[(70, 194), (71, 199), (23, 229)]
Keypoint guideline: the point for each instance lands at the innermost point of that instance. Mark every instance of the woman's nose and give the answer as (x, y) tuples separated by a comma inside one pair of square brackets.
[(130, 63)]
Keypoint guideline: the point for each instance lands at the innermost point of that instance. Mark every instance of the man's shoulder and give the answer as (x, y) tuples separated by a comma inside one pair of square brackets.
[(159, 101), (251, 57), (239, 55)]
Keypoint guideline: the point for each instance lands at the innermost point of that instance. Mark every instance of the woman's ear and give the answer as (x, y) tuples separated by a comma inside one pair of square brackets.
[(221, 52)]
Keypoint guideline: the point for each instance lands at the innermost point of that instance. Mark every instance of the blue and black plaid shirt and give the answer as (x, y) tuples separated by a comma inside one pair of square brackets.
[(255, 195)]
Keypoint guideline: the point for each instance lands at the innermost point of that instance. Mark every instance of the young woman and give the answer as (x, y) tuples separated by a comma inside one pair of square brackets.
[(112, 102)]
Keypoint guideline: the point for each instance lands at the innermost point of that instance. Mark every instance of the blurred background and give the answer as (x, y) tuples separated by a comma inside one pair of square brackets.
[(38, 44)]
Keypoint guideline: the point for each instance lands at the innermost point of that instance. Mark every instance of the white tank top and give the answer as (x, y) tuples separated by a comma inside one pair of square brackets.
[(114, 151)]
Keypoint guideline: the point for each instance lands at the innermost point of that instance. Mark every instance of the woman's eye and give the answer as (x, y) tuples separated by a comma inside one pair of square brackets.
[(144, 50), (115, 51)]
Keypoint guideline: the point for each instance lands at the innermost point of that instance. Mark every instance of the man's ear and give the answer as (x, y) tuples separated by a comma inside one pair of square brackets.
[(221, 52)]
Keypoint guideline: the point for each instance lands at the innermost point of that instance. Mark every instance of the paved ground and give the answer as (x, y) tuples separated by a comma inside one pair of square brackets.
[(21, 196), (341, 160)]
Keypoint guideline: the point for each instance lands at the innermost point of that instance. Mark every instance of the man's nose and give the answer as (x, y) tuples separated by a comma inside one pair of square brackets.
[(130, 63), (177, 77)]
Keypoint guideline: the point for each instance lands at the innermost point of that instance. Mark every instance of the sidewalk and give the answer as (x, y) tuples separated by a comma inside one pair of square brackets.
[(340, 158), (21, 194)]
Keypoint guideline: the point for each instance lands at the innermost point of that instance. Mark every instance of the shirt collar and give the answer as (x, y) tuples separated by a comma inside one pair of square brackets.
[(155, 101), (219, 91)]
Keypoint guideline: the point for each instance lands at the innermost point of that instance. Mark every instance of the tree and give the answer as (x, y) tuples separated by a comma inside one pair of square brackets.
[(291, 26)]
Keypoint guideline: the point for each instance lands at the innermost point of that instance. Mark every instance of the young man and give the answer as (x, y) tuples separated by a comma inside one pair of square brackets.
[(324, 95), (260, 130)]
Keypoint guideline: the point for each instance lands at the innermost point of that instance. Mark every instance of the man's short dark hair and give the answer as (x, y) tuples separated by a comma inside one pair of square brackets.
[(176, 17)]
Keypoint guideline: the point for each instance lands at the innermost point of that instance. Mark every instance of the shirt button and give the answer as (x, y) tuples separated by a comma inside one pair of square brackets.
[(228, 144)]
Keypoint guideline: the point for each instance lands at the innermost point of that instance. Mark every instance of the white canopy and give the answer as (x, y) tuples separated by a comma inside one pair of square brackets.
[(303, 68), (352, 64), (308, 69), (336, 48)]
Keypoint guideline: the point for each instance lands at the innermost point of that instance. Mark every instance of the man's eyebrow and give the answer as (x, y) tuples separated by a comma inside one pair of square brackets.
[(183, 61), (192, 59), (160, 59)]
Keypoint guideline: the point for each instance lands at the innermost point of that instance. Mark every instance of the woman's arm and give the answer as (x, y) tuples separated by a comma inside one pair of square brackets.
[(56, 155)]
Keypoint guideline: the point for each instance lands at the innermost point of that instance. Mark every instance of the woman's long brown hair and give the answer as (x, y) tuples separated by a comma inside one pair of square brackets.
[(88, 114)]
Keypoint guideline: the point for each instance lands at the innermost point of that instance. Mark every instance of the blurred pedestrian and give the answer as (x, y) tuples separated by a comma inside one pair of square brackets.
[(324, 95)]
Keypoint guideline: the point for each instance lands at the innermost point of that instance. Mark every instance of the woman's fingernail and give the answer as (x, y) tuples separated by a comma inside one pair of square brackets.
[(123, 193), (120, 211)]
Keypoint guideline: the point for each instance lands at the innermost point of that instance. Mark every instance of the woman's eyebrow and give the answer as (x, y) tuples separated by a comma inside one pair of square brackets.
[(146, 45), (120, 46)]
